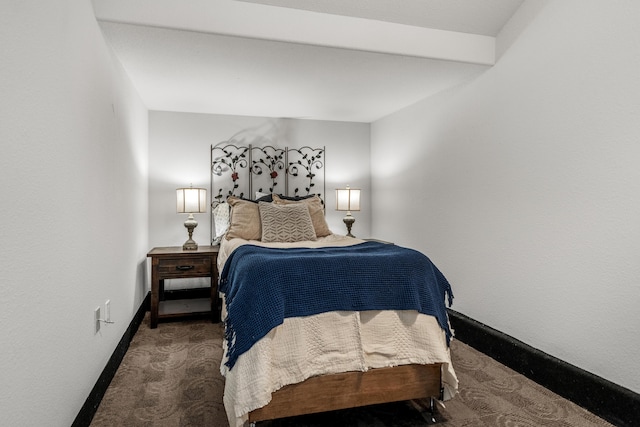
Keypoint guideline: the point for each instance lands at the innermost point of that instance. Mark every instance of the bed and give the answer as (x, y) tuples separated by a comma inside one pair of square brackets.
[(312, 322)]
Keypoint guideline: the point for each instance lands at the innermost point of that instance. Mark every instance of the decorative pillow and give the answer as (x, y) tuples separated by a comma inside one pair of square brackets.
[(316, 211), (296, 198), (265, 198), (221, 220), (260, 195), (285, 223), (245, 219)]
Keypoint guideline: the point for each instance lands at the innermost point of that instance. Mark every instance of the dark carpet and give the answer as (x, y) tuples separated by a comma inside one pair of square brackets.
[(170, 377)]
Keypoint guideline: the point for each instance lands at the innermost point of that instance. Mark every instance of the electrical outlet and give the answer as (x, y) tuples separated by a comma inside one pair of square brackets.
[(96, 317), (107, 310)]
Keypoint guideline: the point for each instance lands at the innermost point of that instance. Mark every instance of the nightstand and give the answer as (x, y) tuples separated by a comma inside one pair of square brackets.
[(172, 262)]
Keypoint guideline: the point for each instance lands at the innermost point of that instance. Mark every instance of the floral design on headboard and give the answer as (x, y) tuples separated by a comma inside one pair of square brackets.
[(269, 159), (309, 159), (244, 170), (229, 160)]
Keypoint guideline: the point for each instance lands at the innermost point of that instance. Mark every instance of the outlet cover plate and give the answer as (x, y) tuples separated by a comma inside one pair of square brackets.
[(96, 318)]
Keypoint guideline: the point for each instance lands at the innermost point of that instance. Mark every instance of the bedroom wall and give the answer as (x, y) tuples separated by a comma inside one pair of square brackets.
[(73, 217), (523, 186), (179, 154)]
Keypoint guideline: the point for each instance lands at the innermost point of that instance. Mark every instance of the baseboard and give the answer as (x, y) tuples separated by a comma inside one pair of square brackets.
[(88, 410), (607, 400)]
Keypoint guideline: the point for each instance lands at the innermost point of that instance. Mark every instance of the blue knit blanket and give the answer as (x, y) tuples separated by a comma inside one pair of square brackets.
[(263, 286)]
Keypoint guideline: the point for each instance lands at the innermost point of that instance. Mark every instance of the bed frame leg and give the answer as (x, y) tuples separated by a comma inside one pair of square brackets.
[(432, 409), (427, 410)]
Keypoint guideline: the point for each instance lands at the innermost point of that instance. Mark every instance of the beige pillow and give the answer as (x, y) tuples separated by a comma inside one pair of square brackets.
[(316, 211), (285, 223), (245, 220)]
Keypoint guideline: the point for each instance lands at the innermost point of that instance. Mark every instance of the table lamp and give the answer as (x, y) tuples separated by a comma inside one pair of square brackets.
[(191, 200), (348, 199)]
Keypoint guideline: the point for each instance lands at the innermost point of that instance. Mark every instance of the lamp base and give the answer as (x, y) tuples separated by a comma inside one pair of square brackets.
[(190, 245), (190, 224), (349, 220)]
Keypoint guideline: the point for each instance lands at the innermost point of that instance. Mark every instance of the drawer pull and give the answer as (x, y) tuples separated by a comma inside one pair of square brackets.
[(184, 267)]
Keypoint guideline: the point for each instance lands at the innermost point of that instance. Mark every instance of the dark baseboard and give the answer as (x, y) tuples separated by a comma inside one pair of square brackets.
[(88, 410), (607, 400)]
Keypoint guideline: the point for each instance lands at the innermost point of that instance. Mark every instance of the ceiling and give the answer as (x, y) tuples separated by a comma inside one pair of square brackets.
[(344, 60), (485, 17)]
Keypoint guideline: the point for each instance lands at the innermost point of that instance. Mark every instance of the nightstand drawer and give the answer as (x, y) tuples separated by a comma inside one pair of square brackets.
[(184, 266)]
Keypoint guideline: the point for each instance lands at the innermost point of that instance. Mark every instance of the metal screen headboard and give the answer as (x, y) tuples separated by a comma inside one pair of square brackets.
[(243, 170)]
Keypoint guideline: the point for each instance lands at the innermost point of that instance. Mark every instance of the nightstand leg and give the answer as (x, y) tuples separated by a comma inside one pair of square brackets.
[(155, 294)]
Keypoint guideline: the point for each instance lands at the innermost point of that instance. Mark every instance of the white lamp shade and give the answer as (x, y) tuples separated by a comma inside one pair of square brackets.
[(348, 199), (191, 200)]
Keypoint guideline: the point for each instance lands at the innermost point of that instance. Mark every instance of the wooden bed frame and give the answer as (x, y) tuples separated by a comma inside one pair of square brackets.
[(351, 389), (239, 170)]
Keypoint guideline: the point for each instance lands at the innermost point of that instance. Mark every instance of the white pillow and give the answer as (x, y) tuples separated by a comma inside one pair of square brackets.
[(221, 220)]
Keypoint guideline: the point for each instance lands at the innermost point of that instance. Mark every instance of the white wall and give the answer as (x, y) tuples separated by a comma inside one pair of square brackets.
[(524, 186), (73, 215), (179, 155)]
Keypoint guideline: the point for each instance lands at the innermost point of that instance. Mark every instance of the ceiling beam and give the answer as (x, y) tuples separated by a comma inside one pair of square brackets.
[(259, 21)]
